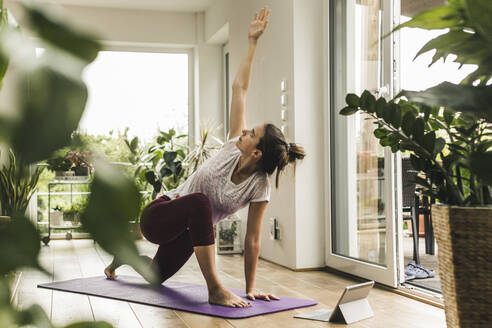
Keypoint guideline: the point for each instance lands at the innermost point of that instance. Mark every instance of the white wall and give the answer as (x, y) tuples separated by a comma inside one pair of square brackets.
[(309, 110), (290, 49)]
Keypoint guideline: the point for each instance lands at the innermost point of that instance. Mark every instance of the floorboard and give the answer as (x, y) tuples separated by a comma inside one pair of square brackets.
[(83, 258)]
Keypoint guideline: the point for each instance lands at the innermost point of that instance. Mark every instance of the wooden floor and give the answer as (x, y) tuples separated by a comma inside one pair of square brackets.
[(82, 258)]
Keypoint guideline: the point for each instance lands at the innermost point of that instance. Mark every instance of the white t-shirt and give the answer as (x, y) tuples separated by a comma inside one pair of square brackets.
[(213, 178)]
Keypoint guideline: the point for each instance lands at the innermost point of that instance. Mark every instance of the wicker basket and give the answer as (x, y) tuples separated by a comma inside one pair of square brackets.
[(464, 239)]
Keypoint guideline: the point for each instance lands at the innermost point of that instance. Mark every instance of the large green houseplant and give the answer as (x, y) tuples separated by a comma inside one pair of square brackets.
[(448, 132)]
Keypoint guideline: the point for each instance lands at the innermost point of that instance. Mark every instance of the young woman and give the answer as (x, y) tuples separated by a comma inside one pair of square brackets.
[(181, 221)]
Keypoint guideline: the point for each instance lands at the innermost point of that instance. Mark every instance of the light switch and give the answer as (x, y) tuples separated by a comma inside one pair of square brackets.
[(283, 100), (283, 114), (283, 85)]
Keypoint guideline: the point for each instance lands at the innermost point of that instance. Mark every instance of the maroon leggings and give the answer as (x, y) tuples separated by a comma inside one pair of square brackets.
[(177, 226)]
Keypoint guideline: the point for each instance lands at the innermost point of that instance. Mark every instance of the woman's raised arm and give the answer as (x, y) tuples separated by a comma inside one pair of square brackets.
[(241, 82)]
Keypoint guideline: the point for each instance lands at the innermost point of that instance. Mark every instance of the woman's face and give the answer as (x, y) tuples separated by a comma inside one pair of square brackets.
[(249, 139)]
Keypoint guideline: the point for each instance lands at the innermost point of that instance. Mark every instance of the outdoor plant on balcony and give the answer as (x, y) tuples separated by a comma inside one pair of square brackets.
[(81, 161)]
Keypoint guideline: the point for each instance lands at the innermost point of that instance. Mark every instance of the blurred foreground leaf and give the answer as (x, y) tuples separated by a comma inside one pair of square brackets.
[(19, 245), (52, 29), (49, 93), (476, 101), (114, 201)]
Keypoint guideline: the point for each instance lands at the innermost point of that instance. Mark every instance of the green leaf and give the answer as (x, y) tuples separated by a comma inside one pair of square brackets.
[(19, 245), (438, 146), (479, 12), (388, 112), (53, 30), (444, 44), (134, 144), (51, 95), (348, 111), (448, 117), (396, 116), (429, 141), (165, 172), (422, 182), (418, 164), (408, 122), (181, 153), (480, 165), (169, 157), (150, 177), (484, 145), (371, 104), (381, 133), (436, 18), (352, 100), (380, 106), (418, 130), (367, 101), (113, 202), (476, 101), (385, 142)]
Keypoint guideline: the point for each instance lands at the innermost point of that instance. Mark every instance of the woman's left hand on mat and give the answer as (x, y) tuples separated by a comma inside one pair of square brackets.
[(261, 296)]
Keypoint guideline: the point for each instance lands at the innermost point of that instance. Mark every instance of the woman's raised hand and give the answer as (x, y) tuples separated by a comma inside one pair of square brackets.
[(259, 24)]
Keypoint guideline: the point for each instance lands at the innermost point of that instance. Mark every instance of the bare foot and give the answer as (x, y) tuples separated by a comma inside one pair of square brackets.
[(222, 296), (110, 272)]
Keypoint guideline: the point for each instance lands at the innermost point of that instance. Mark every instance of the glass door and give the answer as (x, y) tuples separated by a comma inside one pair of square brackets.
[(362, 230)]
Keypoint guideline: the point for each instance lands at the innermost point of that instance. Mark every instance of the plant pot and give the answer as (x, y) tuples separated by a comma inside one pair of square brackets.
[(64, 174), (56, 218), (81, 171), (73, 218), (464, 239), (135, 230)]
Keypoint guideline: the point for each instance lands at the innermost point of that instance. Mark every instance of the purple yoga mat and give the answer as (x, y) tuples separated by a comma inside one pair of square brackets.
[(172, 295)]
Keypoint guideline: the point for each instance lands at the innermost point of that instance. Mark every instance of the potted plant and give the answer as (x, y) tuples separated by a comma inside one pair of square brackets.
[(56, 216), (72, 212), (167, 158), (447, 131), (228, 235), (81, 164), (208, 145), (17, 185), (60, 164)]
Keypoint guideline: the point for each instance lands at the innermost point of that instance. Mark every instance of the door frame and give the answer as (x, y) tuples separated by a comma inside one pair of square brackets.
[(392, 273)]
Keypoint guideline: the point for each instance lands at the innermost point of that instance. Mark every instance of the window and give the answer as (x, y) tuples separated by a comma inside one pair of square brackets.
[(139, 90)]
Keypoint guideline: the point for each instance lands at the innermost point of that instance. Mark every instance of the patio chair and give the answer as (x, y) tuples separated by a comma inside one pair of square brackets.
[(414, 204)]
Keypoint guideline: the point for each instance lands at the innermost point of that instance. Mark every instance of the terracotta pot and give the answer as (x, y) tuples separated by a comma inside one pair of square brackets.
[(464, 239)]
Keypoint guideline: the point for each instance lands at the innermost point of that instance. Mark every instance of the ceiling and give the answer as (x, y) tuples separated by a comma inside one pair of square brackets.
[(166, 5)]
